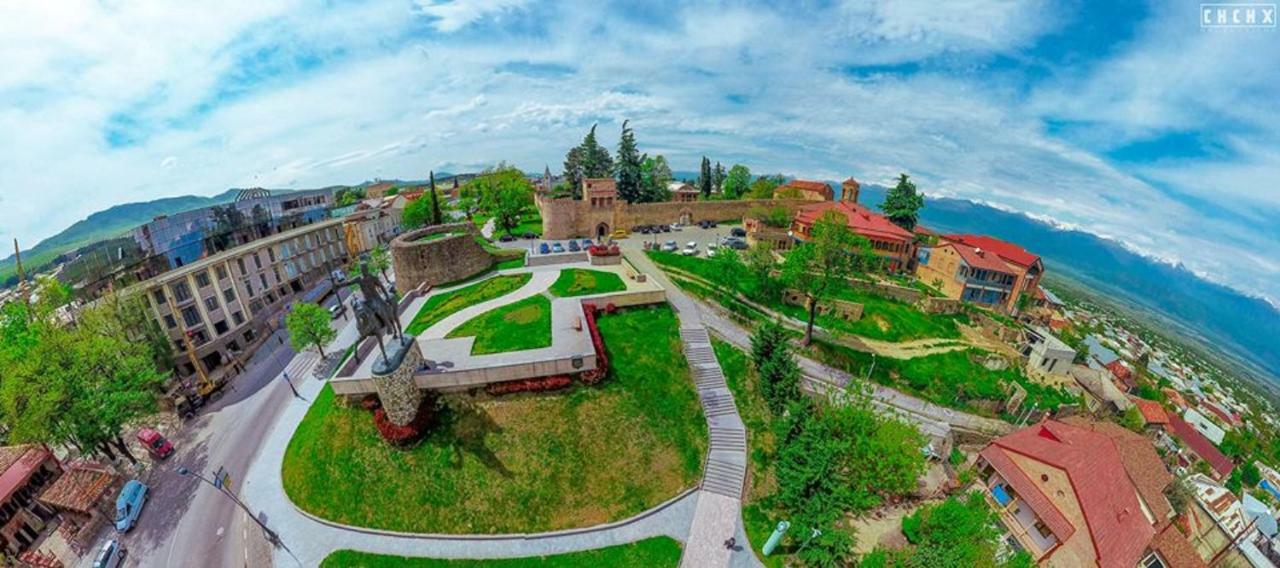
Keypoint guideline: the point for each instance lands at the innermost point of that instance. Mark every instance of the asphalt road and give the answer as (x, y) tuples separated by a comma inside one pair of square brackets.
[(185, 521)]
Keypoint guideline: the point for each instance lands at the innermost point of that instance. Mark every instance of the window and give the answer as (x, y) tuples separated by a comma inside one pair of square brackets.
[(263, 278), (271, 254), (199, 338), (1043, 529), (240, 261), (182, 346), (248, 286), (181, 291), (237, 317), (228, 295), (169, 321), (158, 294), (284, 291), (190, 316), (220, 327), (221, 271), (211, 303), (1152, 561), (202, 279), (271, 298), (248, 336), (257, 261), (276, 270)]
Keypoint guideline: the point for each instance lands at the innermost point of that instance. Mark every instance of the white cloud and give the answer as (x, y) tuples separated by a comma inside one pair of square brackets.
[(452, 15)]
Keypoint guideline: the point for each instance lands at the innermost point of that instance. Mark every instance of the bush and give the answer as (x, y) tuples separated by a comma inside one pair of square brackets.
[(530, 385), (409, 434), (603, 250), (602, 359), (911, 527), (370, 402)]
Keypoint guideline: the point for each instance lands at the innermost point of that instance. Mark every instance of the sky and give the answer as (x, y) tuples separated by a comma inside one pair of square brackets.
[(1124, 119)]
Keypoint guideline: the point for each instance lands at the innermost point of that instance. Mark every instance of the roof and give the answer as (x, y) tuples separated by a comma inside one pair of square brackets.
[(1120, 371), (1200, 445), (1152, 412), (979, 258), (1140, 460), (1256, 511), (862, 220), (1007, 250), (78, 489), (1107, 496), (1218, 411), (1100, 387), (1053, 298), (819, 187), (17, 464), (680, 186), (1174, 548)]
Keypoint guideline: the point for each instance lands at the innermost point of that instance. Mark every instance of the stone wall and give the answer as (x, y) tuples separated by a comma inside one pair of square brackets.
[(555, 258), (568, 218), (932, 305), (891, 291), (437, 261), (843, 309)]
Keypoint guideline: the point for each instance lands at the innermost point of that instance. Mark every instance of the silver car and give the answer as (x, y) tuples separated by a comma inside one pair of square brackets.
[(111, 555)]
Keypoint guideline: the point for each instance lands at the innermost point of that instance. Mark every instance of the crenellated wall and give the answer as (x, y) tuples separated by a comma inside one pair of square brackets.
[(570, 218)]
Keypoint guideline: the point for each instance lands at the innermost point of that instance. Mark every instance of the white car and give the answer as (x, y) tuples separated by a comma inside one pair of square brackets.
[(670, 246), (690, 251)]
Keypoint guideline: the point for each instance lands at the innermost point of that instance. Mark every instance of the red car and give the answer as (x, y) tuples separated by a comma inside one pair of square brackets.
[(156, 445)]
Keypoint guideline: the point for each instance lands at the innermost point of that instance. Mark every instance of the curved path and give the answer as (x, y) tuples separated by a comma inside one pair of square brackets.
[(698, 517)]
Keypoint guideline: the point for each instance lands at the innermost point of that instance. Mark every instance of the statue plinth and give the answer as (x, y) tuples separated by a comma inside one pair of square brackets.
[(393, 378)]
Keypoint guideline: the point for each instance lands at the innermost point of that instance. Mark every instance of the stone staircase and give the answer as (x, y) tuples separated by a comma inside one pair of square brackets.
[(726, 466)]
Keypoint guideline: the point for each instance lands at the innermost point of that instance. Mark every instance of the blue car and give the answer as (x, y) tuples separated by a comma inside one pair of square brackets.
[(573, 246), (129, 504), (586, 243), (543, 248)]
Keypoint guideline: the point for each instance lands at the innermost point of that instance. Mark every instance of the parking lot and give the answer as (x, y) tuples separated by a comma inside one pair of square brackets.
[(682, 238)]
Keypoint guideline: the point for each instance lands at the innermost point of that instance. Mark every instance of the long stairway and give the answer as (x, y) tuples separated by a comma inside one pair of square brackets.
[(726, 459)]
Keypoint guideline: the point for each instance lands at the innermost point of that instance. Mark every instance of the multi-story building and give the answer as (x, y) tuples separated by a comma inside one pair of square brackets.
[(25, 471), (228, 303), (1026, 267), (893, 244), (186, 237), (369, 228), (967, 273), (1078, 492), (1047, 353)]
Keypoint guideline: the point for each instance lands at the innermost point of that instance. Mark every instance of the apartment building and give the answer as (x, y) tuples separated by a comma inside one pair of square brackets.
[(229, 303)]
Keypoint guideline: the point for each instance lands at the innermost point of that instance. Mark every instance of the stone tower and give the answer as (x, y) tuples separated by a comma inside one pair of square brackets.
[(849, 190)]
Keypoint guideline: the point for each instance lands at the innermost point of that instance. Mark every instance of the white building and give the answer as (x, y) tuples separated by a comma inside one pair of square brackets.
[(1204, 426)]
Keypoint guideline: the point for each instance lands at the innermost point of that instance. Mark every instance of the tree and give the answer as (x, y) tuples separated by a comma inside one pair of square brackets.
[(1132, 419), (587, 160), (737, 181), (779, 374), (308, 326), (777, 217), (656, 174), (1180, 494), (960, 531), (760, 265), (437, 216), (902, 204), (1249, 474), (762, 187), (417, 213), (504, 193), (380, 260), (704, 178), (629, 160), (717, 177), (824, 263)]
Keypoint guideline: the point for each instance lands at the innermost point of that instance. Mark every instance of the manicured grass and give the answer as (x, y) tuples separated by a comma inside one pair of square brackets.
[(580, 282), (882, 318), (523, 463), (517, 262), (653, 552), (517, 326), (436, 236), (440, 306)]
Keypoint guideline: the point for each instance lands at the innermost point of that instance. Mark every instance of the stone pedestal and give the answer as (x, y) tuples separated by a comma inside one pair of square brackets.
[(393, 378)]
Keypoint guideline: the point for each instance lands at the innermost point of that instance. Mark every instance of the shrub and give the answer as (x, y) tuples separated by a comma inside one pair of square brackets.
[(409, 434), (602, 359), (370, 402), (530, 385), (603, 250)]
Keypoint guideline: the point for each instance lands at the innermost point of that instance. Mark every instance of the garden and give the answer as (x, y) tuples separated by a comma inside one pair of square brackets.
[(519, 463), (657, 552), (583, 282), (520, 325), (443, 305)]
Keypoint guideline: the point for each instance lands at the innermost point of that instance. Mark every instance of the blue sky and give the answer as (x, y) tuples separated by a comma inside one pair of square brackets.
[(1125, 119)]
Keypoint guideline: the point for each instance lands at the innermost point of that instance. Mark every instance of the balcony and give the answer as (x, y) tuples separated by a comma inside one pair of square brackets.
[(1019, 520)]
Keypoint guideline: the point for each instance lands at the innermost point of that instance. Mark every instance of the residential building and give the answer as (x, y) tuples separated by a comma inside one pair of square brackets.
[(682, 192), (1203, 425), (1270, 479), (364, 230), (1153, 415), (1224, 417), (1080, 493), (378, 190), (1026, 266), (186, 237), (967, 273), (1201, 448), (893, 244), (228, 303), (1046, 353), (1123, 376), (805, 189), (1216, 523), (1101, 395), (25, 471)]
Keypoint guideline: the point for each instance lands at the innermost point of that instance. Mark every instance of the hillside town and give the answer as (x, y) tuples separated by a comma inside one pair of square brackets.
[(305, 358)]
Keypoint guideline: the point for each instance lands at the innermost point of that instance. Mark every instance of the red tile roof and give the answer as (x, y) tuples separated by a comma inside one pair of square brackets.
[(1120, 371), (1008, 251), (18, 463), (79, 488), (1151, 411), (1175, 549), (979, 258), (1107, 496), (1140, 460), (862, 220), (805, 185), (1222, 414), (1200, 445)]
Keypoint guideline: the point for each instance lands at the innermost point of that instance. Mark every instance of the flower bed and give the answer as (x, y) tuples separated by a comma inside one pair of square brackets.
[(603, 250), (409, 434), (602, 359), (538, 384)]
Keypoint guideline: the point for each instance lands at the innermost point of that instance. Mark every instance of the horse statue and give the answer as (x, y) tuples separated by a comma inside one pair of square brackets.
[(376, 311)]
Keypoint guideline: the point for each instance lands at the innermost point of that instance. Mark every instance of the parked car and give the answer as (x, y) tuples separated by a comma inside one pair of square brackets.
[(677, 227), (670, 246), (586, 243), (129, 504), (736, 243), (665, 228), (573, 246), (711, 249), (528, 235), (336, 310), (111, 555), (544, 248), (557, 247), (620, 234), (507, 238), (156, 445), (738, 232)]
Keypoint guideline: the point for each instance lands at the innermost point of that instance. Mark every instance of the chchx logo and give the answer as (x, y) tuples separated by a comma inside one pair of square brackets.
[(1238, 15)]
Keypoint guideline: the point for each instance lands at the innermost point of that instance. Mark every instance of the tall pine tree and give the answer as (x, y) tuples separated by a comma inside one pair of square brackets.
[(587, 160), (629, 160), (436, 216), (717, 177), (704, 178), (902, 204)]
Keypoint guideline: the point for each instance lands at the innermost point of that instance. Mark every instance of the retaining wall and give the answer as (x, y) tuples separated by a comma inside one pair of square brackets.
[(437, 261), (554, 258), (570, 218)]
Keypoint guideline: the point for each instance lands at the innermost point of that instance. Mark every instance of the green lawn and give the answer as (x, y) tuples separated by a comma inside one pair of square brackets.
[(436, 236), (516, 261), (525, 463), (517, 326), (882, 318), (649, 553), (581, 282), (440, 306)]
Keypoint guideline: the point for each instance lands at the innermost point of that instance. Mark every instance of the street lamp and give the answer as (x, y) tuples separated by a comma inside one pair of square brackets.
[(272, 537)]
